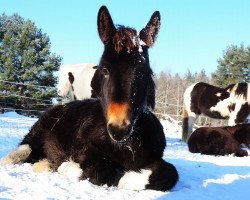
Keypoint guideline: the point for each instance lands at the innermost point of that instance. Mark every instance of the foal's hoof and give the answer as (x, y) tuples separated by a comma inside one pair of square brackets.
[(42, 166), (70, 170), (135, 180), (17, 156)]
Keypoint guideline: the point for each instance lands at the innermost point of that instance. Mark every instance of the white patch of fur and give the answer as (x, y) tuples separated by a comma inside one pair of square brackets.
[(187, 100), (42, 166), (218, 94), (135, 180), (83, 74), (142, 43), (248, 93), (222, 106), (71, 170), (17, 156), (232, 118)]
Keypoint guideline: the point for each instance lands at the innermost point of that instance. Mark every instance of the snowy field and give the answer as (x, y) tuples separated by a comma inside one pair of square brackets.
[(201, 177)]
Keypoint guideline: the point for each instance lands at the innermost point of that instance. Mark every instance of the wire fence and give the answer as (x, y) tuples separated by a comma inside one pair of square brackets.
[(30, 106), (162, 109), (31, 85)]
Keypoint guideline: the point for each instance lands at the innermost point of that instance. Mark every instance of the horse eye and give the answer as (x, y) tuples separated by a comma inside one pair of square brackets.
[(105, 72)]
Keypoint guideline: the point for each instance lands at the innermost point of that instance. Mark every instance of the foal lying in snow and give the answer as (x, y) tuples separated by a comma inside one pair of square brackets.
[(220, 140), (114, 140)]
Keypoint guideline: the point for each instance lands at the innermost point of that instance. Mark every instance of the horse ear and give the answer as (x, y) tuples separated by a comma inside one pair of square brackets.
[(105, 25), (150, 32)]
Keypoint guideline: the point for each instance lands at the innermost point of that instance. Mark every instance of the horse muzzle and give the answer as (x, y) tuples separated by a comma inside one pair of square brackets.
[(119, 133), (118, 122)]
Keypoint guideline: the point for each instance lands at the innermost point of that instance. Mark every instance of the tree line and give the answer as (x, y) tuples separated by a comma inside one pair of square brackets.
[(28, 80)]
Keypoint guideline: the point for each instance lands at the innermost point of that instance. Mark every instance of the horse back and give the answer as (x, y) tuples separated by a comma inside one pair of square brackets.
[(204, 96)]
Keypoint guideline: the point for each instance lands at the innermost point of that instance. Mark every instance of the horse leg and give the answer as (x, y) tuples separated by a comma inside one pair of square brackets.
[(188, 119), (241, 153), (99, 172), (159, 175), (90, 164), (232, 119), (25, 152), (53, 154), (17, 156), (187, 126)]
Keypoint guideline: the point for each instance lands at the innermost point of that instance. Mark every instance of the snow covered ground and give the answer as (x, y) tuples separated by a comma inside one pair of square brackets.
[(201, 177)]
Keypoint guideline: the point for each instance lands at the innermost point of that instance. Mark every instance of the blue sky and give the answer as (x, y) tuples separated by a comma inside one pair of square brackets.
[(193, 35)]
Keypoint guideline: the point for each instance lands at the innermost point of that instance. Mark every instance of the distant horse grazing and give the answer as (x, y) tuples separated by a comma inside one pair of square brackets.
[(220, 140), (115, 139), (76, 80), (232, 102)]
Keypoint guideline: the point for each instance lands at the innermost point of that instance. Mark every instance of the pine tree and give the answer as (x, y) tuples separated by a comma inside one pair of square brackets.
[(25, 58), (189, 78), (201, 77), (234, 67)]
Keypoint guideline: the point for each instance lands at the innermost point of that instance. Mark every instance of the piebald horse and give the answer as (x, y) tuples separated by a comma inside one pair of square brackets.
[(232, 102), (76, 80)]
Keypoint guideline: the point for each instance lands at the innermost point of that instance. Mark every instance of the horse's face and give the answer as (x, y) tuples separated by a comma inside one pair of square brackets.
[(126, 83)]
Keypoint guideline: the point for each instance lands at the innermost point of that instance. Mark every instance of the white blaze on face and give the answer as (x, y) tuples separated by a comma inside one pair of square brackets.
[(135, 180)]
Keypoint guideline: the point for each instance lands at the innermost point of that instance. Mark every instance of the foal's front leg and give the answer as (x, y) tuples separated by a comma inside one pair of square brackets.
[(159, 175), (88, 162), (99, 171)]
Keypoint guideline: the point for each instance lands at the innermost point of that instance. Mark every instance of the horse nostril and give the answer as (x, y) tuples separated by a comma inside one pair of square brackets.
[(125, 123), (118, 133)]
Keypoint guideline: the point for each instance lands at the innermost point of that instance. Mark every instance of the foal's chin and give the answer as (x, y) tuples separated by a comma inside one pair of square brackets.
[(120, 137)]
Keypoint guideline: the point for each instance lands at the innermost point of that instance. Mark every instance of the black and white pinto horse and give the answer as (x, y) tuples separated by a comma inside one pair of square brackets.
[(232, 102), (115, 139), (75, 80)]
